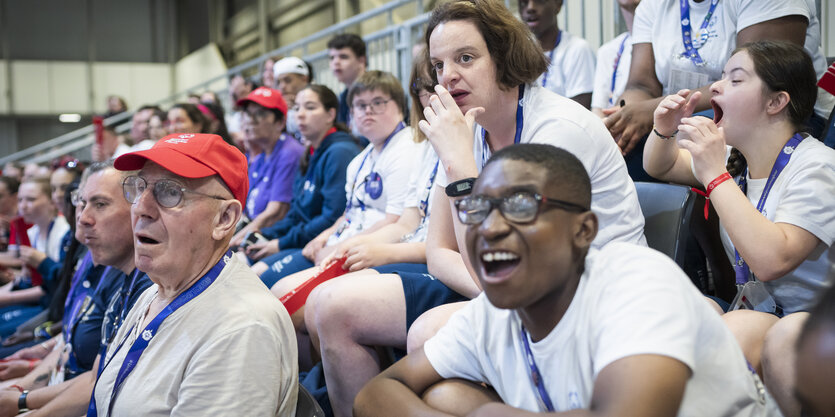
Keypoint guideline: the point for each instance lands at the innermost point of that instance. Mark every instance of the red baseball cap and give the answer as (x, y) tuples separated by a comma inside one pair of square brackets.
[(266, 97), (194, 155)]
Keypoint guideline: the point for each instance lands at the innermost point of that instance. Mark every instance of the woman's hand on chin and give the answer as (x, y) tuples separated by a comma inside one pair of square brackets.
[(450, 132), (706, 144)]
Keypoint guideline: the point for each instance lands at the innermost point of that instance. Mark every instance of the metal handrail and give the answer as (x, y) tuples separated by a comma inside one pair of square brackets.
[(79, 134)]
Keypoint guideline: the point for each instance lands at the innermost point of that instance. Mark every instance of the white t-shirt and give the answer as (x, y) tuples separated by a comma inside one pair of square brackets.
[(394, 166), (659, 22), (552, 119), (630, 301), (607, 54), (51, 246), (229, 351), (571, 70), (803, 195), (422, 189)]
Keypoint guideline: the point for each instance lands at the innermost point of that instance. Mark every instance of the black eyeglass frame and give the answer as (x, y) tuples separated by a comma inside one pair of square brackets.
[(499, 202)]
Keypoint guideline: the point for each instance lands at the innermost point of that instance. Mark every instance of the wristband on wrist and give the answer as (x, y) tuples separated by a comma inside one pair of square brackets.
[(665, 137), (21, 401), (460, 188), (709, 189)]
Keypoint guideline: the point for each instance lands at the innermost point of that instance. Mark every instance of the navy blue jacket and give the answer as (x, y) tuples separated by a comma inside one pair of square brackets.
[(318, 195)]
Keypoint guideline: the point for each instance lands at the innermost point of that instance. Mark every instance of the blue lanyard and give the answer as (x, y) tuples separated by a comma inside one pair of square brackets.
[(742, 270), (76, 314), (424, 203), (691, 49), (615, 70), (142, 341), (520, 120), (46, 241), (551, 58), (360, 203), (536, 376), (77, 279)]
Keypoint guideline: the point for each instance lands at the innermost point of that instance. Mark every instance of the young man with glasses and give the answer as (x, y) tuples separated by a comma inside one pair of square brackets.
[(271, 173), (561, 326)]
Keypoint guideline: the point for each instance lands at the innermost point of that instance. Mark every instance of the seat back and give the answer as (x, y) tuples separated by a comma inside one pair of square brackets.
[(306, 405), (674, 224)]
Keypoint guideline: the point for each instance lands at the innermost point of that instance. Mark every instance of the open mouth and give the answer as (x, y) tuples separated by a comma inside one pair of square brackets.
[(458, 95), (717, 112), (145, 240), (499, 263)]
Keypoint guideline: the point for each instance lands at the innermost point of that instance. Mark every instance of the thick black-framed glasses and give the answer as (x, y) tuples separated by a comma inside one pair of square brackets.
[(167, 193), (520, 207)]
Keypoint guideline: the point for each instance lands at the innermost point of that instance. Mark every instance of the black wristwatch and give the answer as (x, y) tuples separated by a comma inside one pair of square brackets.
[(460, 188), (21, 401)]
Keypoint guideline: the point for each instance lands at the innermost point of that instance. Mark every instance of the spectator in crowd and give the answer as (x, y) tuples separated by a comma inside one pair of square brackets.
[(111, 145), (239, 88), (570, 69), (777, 225), (115, 105), (209, 97), (377, 179), (157, 129), (8, 208), (271, 177), (19, 300), (815, 367), (348, 61), (562, 326), (291, 75), (613, 61), (377, 309), (107, 279), (187, 118), (666, 61), (319, 186), (211, 320), (13, 170), (216, 120), (268, 73), (139, 127), (33, 171)]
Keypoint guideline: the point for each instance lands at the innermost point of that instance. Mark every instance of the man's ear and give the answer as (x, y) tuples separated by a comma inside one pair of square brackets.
[(585, 230), (777, 102), (226, 219)]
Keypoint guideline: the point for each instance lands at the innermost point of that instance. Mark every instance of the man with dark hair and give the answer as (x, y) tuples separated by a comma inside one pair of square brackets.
[(239, 88), (346, 54), (562, 326), (112, 283)]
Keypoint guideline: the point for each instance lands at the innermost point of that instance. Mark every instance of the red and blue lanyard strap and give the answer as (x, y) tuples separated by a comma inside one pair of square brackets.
[(144, 338), (520, 120), (615, 69), (551, 58), (742, 270), (690, 48), (536, 376), (374, 190)]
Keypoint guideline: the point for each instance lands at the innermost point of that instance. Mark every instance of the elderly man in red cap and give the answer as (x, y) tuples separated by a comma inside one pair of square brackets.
[(195, 342), (271, 173)]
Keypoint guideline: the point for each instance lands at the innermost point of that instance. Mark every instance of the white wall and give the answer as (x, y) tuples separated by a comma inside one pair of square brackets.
[(51, 87)]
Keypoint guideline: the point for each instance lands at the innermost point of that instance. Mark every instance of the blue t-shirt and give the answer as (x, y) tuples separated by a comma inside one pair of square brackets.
[(97, 325), (271, 176), (319, 194)]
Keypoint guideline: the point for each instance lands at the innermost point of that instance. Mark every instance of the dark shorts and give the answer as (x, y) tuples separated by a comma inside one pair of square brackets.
[(423, 292), (282, 264)]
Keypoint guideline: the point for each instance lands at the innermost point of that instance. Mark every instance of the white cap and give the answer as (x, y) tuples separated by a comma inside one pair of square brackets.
[(290, 65)]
